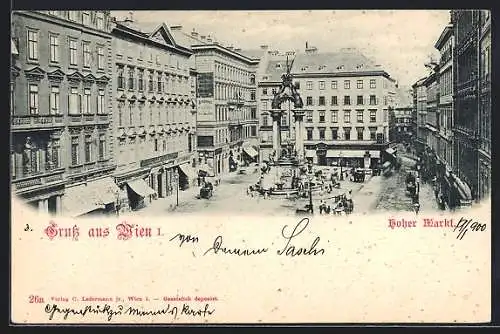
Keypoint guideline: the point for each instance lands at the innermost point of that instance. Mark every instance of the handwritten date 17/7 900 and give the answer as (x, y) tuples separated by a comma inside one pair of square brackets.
[(289, 237)]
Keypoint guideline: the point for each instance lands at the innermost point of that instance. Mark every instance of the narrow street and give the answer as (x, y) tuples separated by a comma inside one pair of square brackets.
[(393, 195)]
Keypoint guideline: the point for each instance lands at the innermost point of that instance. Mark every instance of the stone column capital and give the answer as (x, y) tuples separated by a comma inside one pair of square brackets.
[(299, 115), (276, 114)]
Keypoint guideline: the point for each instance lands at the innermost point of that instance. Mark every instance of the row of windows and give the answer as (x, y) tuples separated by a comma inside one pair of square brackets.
[(347, 84), (345, 135), (89, 147), (87, 18), (224, 92), (334, 117), (223, 113), (129, 117), (78, 103), (446, 83), (360, 100), (232, 73), (159, 82), (55, 49)]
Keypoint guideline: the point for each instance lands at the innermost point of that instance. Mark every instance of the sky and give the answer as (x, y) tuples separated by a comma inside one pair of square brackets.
[(399, 40)]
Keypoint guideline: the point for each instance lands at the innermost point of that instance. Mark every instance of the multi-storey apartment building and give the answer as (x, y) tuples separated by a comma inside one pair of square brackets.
[(226, 102), (61, 112), (444, 151), (347, 99), (420, 106), (484, 145), (431, 123), (153, 113), (403, 128), (466, 72)]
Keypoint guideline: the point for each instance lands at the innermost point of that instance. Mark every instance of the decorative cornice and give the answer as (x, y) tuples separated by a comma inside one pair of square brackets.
[(75, 77), (89, 78), (56, 75), (35, 73), (102, 80)]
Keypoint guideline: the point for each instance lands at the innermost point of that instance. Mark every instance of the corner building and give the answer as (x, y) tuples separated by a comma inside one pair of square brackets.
[(61, 153), (226, 103), (154, 132), (347, 99)]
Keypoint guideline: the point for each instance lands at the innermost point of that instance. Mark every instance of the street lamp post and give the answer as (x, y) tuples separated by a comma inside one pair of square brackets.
[(340, 162), (177, 186), (117, 206), (311, 208)]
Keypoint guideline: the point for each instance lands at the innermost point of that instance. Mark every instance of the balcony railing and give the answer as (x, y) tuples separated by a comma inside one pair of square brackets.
[(39, 179), (32, 122)]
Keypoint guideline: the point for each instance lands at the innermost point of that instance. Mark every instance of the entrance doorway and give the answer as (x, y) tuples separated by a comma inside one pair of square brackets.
[(52, 204), (160, 185)]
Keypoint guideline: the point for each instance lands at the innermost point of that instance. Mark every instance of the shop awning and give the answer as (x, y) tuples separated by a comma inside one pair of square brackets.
[(310, 154), (463, 189), (79, 200), (374, 154), (345, 154), (140, 187), (250, 151), (188, 171), (105, 189)]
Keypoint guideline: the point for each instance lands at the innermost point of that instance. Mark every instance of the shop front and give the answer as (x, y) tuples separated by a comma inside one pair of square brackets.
[(250, 155), (187, 176), (95, 197), (456, 193), (139, 193)]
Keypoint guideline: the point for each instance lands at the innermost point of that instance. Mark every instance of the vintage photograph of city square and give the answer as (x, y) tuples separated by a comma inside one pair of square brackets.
[(327, 112)]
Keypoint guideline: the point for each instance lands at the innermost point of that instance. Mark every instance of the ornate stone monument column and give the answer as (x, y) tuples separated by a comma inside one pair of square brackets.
[(299, 133), (277, 114)]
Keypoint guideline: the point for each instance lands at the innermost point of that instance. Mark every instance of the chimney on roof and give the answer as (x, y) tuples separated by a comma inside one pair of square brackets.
[(202, 38), (194, 33), (209, 39), (311, 49), (230, 47), (129, 18), (264, 47), (176, 28), (237, 49)]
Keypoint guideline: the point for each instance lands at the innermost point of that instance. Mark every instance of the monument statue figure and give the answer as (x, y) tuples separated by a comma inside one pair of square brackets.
[(287, 90)]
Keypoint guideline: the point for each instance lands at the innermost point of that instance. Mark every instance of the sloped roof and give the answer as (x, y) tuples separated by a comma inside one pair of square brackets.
[(331, 62), (254, 54), (185, 40), (275, 68)]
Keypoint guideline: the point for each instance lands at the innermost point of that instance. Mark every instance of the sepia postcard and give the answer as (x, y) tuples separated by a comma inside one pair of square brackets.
[(256, 167)]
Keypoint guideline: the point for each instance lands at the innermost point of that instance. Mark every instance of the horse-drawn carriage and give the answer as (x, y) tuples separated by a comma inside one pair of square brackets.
[(206, 191), (358, 175), (411, 183)]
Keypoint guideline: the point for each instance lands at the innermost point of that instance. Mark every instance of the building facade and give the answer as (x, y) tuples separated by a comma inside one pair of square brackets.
[(227, 120), (347, 99), (154, 127), (445, 45), (61, 138), (420, 106), (484, 145), (431, 123), (466, 113), (403, 128)]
